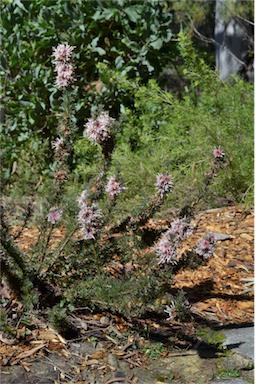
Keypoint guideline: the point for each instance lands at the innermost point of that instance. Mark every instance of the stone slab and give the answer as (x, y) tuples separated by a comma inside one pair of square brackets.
[(230, 381), (240, 340)]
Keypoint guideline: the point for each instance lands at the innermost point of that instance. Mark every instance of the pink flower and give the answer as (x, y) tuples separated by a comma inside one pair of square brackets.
[(63, 53), (180, 230), (98, 130), (163, 184), (175, 310), (205, 247), (64, 76), (56, 144), (55, 215), (82, 198), (63, 65), (113, 188), (166, 251), (171, 311), (218, 153), (88, 217), (167, 247)]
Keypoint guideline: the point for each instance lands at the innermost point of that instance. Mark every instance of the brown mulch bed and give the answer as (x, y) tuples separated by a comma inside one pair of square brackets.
[(217, 290), (220, 285)]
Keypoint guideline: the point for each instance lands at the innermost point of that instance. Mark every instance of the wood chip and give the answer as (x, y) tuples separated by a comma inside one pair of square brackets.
[(246, 236)]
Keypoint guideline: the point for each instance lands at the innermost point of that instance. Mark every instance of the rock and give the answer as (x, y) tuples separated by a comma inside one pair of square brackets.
[(188, 369), (82, 349), (237, 362), (104, 320), (240, 340), (230, 381), (113, 361), (222, 236)]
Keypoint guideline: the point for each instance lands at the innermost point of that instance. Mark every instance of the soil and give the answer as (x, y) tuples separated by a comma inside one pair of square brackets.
[(111, 351)]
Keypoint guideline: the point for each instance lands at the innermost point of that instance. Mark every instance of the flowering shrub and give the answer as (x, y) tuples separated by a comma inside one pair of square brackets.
[(95, 239), (180, 229), (177, 309), (167, 247), (166, 250), (57, 143)]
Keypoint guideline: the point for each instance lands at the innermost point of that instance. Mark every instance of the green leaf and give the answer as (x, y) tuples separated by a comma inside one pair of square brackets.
[(132, 14), (168, 36), (94, 42), (148, 65), (19, 4), (97, 15), (99, 50), (157, 44), (119, 62), (107, 14)]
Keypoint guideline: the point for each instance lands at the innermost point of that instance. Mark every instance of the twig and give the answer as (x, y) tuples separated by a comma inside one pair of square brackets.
[(133, 363), (213, 41), (111, 339), (67, 239), (116, 379), (69, 377), (27, 216), (126, 346)]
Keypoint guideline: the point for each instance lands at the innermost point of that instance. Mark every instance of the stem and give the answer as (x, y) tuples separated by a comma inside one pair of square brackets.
[(46, 246), (27, 216), (62, 246)]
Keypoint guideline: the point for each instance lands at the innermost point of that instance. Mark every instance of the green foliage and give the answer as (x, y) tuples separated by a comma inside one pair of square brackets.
[(179, 135), (153, 350), (59, 319), (211, 336), (5, 326), (117, 41), (132, 37), (131, 294), (229, 372)]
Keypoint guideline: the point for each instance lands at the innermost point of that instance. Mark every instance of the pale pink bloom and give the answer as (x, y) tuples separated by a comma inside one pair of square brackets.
[(166, 250), (180, 230), (63, 53), (174, 311), (114, 188), (55, 215), (205, 247), (167, 247), (89, 217), (211, 237), (82, 198), (64, 76), (163, 184), (57, 143), (218, 153), (63, 65), (171, 311), (98, 130)]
